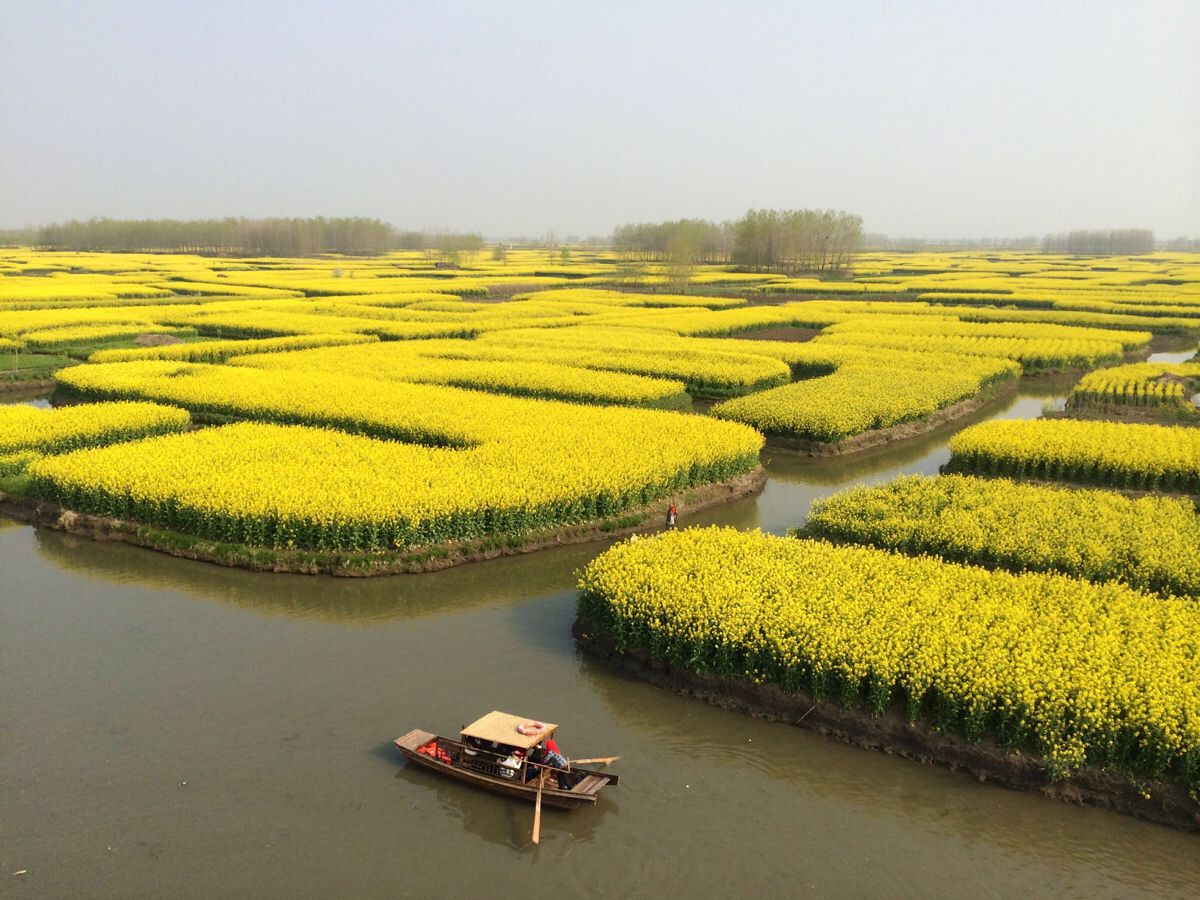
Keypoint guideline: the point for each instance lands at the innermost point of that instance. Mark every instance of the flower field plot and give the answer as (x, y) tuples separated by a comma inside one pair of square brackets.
[(486, 465), (221, 351), (1140, 457), (706, 370), (1150, 543), (442, 362), (1152, 389), (27, 432), (866, 392), (1081, 674)]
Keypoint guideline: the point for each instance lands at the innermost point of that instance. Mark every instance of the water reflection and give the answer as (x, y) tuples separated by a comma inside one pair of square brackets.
[(1173, 357), (818, 772), (343, 600), (501, 821), (38, 396)]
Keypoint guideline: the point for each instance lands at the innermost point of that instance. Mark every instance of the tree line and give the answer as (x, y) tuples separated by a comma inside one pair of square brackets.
[(1103, 242), (248, 237), (790, 241)]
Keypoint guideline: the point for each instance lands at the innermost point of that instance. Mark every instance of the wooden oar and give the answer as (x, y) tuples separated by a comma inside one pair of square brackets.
[(537, 813), (596, 761)]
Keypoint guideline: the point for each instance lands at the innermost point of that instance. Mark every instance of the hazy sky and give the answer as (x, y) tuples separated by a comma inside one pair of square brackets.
[(939, 119)]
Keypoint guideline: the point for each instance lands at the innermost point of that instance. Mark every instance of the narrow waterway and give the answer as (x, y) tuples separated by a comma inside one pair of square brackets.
[(177, 729)]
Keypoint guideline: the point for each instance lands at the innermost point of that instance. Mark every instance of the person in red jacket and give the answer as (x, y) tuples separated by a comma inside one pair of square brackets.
[(552, 757)]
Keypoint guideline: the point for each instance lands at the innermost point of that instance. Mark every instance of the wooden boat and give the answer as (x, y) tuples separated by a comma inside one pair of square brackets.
[(483, 757)]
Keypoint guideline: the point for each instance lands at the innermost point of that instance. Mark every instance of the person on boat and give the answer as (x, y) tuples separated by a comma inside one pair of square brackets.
[(553, 757), (534, 760), (671, 513), (512, 765)]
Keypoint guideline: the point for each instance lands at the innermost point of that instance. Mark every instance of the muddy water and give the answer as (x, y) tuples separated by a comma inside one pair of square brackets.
[(177, 729)]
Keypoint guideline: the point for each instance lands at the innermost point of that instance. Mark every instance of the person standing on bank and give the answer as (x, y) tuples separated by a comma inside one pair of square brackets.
[(671, 516)]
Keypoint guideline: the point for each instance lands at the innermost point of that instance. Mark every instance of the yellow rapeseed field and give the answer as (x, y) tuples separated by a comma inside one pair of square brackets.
[(1148, 457), (1080, 673), (27, 432), (1151, 543)]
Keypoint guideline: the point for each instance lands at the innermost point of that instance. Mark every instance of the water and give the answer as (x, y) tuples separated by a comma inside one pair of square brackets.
[(178, 729), (38, 397)]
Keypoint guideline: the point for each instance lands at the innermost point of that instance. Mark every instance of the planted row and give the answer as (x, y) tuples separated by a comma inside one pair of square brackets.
[(29, 429), (1141, 457), (1150, 543)]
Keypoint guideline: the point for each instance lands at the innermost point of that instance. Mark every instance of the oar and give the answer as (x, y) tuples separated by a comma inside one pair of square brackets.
[(596, 761), (537, 814)]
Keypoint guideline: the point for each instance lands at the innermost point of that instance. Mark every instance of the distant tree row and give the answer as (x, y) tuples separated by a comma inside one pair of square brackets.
[(883, 242), (796, 240), (247, 237), (1110, 242), (241, 237), (763, 240), (445, 242), (706, 242), (18, 237), (1182, 245)]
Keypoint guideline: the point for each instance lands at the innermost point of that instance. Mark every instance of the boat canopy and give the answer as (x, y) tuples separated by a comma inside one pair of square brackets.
[(501, 728)]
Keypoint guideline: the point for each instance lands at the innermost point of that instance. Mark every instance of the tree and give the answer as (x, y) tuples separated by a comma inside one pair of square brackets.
[(1110, 242), (681, 260), (796, 241)]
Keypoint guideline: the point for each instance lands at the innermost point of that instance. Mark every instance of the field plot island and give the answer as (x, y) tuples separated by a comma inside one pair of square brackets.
[(386, 414)]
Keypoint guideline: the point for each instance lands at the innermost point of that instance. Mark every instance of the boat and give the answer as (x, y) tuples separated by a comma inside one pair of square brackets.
[(484, 756)]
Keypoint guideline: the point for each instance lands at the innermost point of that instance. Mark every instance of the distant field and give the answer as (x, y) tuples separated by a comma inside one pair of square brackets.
[(480, 357)]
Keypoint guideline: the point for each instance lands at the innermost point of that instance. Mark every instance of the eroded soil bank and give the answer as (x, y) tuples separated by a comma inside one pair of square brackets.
[(1163, 804), (409, 561)]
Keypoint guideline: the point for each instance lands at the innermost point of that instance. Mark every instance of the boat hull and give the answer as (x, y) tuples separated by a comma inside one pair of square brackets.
[(409, 746)]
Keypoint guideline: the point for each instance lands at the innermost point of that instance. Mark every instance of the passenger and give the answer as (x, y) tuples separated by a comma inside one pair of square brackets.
[(536, 757), (559, 762), (512, 765)]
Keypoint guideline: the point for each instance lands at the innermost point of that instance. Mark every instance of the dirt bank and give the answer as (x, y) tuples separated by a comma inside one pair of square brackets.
[(412, 560), (1161, 803), (901, 432)]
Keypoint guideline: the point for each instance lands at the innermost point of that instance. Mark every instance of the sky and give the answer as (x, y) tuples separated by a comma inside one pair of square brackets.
[(934, 119)]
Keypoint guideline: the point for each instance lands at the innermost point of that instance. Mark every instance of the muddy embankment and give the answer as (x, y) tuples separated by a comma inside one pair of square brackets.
[(1163, 804), (408, 561)]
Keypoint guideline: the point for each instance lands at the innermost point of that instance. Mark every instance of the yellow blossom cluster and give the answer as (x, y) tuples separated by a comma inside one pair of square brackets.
[(857, 392), (510, 464), (1151, 543), (1078, 672), (449, 363), (220, 351), (27, 432), (1166, 387), (1146, 457)]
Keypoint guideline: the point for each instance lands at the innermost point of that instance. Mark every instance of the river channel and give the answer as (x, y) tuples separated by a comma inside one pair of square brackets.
[(172, 728)]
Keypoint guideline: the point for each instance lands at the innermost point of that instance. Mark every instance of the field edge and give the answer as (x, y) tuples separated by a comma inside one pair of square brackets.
[(42, 514), (903, 431), (1160, 803)]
